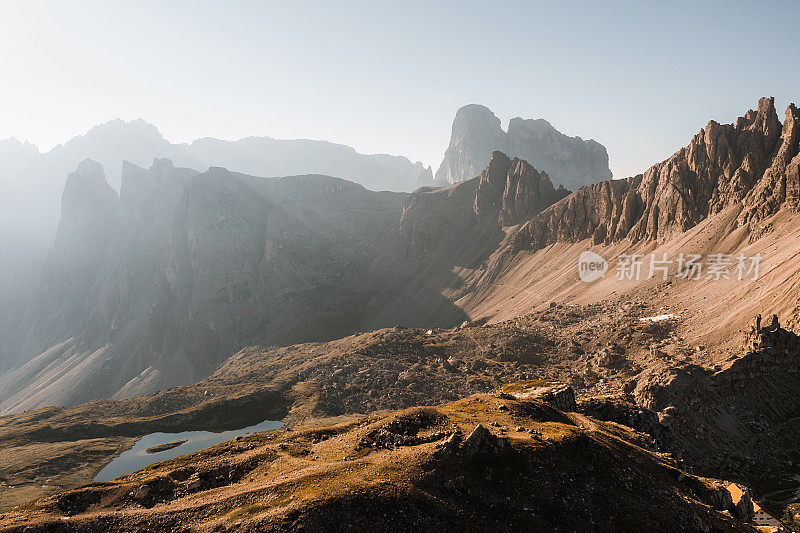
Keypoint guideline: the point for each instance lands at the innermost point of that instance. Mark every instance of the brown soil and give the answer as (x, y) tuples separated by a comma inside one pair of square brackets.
[(386, 369), (536, 468)]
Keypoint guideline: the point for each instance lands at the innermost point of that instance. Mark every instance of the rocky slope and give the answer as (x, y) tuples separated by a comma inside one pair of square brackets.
[(740, 418), (569, 161)]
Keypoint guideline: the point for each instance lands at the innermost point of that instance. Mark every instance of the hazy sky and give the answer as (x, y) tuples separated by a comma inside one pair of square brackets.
[(639, 77)]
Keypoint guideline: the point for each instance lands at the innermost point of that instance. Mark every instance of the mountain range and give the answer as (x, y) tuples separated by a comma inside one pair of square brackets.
[(207, 299), (158, 284), (32, 184)]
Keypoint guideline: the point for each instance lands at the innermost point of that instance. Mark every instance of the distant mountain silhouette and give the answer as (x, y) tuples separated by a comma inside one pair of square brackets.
[(568, 161), (31, 184)]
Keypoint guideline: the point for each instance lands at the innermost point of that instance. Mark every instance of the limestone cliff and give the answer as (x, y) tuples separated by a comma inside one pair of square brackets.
[(84, 245), (157, 286), (476, 133)]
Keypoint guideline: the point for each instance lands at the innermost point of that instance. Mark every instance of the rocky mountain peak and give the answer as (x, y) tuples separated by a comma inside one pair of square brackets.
[(12, 148), (780, 182), (493, 179), (513, 190), (86, 191), (475, 116), (85, 237), (752, 165), (136, 182), (121, 129), (791, 112), (763, 119), (476, 133)]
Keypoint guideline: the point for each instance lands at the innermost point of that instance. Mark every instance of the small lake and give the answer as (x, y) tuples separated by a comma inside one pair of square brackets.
[(137, 457)]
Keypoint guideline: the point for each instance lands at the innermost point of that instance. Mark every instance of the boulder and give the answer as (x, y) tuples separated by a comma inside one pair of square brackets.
[(558, 395), (480, 441)]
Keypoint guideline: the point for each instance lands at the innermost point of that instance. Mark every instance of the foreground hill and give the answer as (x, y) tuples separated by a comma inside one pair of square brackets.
[(732, 421), (484, 462), (385, 369)]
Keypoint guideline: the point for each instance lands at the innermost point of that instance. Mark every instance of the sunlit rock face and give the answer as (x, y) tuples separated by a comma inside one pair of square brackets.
[(751, 165)]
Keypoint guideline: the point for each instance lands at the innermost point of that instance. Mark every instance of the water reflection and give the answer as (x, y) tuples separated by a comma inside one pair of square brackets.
[(137, 457)]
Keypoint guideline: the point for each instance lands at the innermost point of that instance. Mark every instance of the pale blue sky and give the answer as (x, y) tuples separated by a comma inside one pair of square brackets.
[(640, 77)]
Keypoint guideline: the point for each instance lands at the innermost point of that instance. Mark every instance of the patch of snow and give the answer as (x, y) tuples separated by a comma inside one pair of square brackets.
[(658, 318)]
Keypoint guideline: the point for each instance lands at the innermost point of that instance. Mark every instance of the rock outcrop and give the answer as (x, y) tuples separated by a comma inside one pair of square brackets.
[(507, 192), (622, 409), (740, 420), (568, 161), (481, 441), (559, 395), (522, 191), (751, 165)]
